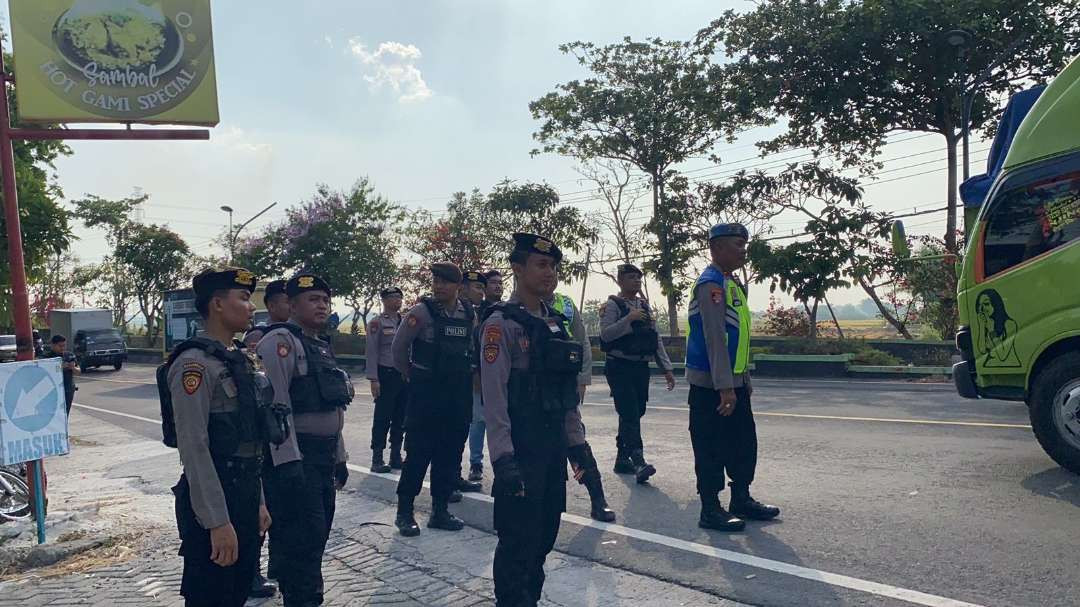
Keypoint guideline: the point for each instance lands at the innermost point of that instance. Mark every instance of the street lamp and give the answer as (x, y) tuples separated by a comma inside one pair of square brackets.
[(961, 40), (229, 210)]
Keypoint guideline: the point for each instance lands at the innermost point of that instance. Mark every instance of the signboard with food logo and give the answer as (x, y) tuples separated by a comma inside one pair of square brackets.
[(149, 61)]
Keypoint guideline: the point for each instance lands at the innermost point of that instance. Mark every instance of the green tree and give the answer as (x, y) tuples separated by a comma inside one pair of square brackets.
[(45, 229), (347, 237), (651, 104), (843, 75), (806, 270), (111, 285), (155, 259)]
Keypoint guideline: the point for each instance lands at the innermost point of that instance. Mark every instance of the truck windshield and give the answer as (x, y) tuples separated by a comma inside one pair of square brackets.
[(103, 335), (7, 340)]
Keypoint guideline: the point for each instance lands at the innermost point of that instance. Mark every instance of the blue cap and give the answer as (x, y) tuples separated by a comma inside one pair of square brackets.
[(729, 229)]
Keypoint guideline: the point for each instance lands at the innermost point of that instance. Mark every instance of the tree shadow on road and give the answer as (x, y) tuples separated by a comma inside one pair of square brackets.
[(1057, 483)]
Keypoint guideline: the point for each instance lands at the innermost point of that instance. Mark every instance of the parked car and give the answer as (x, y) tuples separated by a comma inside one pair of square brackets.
[(7, 348)]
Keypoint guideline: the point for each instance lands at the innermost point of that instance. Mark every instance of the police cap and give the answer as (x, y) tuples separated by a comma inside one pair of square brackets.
[(531, 243), (274, 287), (721, 230), (476, 277), (391, 292), (628, 268), (446, 270), (304, 282), (206, 282)]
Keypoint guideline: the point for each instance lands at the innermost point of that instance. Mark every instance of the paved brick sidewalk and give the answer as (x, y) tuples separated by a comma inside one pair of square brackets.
[(366, 563)]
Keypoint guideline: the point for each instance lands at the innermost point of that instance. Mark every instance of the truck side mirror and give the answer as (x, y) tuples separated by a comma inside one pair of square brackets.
[(899, 240)]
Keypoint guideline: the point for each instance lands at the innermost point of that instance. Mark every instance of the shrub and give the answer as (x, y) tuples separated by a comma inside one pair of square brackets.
[(874, 357), (785, 322)]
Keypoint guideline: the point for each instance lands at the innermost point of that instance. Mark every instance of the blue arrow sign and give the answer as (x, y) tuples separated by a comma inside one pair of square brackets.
[(31, 396)]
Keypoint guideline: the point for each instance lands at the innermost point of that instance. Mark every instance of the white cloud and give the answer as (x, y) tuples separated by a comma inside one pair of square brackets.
[(393, 64)]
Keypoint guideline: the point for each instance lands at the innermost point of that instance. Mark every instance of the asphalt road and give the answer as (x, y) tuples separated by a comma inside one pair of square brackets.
[(892, 494)]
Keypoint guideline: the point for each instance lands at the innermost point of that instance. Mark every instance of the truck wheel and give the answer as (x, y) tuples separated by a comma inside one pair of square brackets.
[(1055, 410), (118, 365)]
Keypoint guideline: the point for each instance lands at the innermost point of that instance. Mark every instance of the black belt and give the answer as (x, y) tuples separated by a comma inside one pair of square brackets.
[(238, 465)]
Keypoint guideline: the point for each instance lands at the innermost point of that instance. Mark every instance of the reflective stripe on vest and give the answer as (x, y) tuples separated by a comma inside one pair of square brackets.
[(565, 306), (736, 324)]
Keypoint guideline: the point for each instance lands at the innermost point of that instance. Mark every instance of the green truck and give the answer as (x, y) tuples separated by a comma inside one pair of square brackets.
[(1019, 288)]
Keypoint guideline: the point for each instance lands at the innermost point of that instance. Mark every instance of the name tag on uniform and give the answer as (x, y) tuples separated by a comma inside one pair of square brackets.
[(389, 331), (456, 332), (553, 326)]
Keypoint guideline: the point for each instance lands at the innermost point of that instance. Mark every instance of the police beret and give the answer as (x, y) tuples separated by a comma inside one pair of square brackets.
[(446, 271), (531, 243), (629, 268), (390, 292), (304, 282), (273, 288), (476, 277), (208, 281), (729, 229)]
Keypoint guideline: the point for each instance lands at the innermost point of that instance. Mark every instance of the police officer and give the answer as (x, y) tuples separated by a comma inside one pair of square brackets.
[(68, 366), (211, 386), (629, 337), (576, 328), (306, 469), (387, 385), (529, 371), (722, 428), (476, 293), (433, 351)]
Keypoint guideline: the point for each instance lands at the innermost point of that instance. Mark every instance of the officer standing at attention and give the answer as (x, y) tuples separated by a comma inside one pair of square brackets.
[(529, 375), (387, 385), (493, 292), (68, 365), (629, 337), (576, 329), (476, 293), (433, 351), (307, 468), (722, 428), (211, 390)]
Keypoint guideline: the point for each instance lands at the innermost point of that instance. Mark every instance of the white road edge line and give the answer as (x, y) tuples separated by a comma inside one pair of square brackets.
[(832, 579)]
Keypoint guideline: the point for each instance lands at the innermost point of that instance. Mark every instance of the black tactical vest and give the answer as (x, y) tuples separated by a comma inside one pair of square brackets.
[(228, 431), (326, 386), (450, 354), (643, 338), (549, 384)]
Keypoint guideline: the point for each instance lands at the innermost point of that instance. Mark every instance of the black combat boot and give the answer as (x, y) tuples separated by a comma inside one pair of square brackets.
[(623, 465), (465, 486), (476, 472), (441, 517), (261, 588), (713, 516), (600, 509), (642, 469), (749, 508), (377, 464), (395, 457), (405, 521)]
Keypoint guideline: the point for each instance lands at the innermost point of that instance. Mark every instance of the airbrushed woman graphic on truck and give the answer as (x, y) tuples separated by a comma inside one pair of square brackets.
[(994, 331)]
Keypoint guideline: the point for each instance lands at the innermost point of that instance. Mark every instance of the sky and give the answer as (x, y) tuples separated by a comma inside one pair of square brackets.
[(424, 99)]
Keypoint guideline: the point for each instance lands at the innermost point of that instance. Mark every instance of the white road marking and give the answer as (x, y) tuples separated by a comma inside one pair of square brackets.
[(931, 422), (816, 575)]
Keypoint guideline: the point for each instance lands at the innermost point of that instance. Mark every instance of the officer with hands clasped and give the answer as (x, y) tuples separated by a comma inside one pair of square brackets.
[(216, 410), (387, 384), (529, 377), (304, 472), (722, 429), (433, 350), (629, 337)]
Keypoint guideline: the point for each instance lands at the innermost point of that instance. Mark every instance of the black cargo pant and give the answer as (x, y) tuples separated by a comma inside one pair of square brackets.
[(434, 434), (304, 501), (528, 526), (205, 583), (629, 383), (389, 410), (722, 444)]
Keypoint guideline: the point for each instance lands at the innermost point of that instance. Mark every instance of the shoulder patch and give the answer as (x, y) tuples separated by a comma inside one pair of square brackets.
[(603, 308), (716, 294), (373, 326), (191, 380), (283, 349), (195, 365), (491, 353), (492, 334), (412, 320)]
